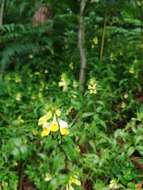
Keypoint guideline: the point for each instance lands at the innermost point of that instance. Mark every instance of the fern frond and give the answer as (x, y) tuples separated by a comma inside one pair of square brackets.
[(14, 50)]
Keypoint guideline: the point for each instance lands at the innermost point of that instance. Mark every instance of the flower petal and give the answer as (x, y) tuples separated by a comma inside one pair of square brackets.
[(64, 131), (42, 120), (54, 126), (48, 177), (45, 118), (63, 127), (74, 180), (45, 132), (69, 187), (63, 124), (49, 115)]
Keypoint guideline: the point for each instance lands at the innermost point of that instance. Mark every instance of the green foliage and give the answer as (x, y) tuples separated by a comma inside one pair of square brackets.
[(40, 71)]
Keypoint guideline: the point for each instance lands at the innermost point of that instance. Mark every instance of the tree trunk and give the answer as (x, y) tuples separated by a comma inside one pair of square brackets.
[(81, 43), (2, 3)]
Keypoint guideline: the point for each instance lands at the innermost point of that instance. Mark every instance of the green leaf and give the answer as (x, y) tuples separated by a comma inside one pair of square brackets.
[(70, 150), (130, 151)]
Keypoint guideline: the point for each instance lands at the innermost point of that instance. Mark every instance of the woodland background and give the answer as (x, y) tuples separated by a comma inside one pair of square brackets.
[(86, 59)]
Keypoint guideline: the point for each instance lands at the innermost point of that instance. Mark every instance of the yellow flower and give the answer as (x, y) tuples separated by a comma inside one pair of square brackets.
[(54, 125), (92, 86), (45, 132), (95, 40), (64, 131), (114, 184), (75, 84), (57, 124), (48, 177), (69, 187), (43, 120), (73, 180), (63, 127), (64, 82)]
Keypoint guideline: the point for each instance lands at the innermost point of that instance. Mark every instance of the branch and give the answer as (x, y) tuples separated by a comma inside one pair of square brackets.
[(81, 42)]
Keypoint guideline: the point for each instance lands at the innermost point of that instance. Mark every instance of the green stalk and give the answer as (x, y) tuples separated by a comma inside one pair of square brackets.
[(103, 39)]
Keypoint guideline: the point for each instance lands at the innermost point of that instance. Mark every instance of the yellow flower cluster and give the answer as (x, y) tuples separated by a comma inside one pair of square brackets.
[(51, 122), (48, 177), (94, 42), (114, 184), (64, 82), (92, 86), (73, 180)]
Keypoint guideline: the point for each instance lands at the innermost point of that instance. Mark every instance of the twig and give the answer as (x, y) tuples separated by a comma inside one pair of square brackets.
[(75, 119)]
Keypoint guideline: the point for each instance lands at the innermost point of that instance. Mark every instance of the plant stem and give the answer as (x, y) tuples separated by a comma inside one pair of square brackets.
[(103, 39), (20, 172)]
